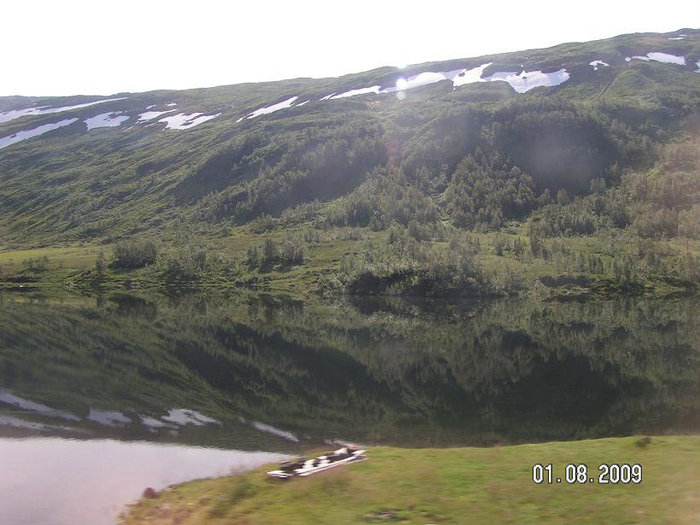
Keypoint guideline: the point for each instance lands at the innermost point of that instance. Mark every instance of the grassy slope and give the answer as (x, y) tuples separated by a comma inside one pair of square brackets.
[(463, 485), (67, 264)]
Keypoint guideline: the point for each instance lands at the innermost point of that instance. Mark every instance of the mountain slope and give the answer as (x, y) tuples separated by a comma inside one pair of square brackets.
[(564, 116)]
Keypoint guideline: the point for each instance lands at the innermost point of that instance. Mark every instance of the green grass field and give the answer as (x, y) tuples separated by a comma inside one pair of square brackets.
[(62, 266), (453, 485), (70, 257)]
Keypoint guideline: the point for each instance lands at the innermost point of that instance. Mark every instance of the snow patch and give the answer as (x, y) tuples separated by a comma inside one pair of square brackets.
[(698, 66), (152, 422), (9, 421), (150, 115), (105, 120), (44, 110), (271, 109), (24, 135), (183, 416), (659, 57), (521, 82), (327, 97), (422, 79), (108, 418), (596, 64), (184, 121), (527, 80), (679, 37), (470, 76), (353, 92), (15, 422), (262, 427), (31, 406), (666, 58)]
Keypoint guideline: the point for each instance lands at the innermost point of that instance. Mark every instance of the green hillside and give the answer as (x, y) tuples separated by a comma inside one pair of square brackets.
[(604, 153)]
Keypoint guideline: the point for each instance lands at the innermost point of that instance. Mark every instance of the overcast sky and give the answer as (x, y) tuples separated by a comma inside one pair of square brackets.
[(68, 47)]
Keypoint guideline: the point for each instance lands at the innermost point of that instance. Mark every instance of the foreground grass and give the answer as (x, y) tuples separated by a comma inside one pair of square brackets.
[(458, 485)]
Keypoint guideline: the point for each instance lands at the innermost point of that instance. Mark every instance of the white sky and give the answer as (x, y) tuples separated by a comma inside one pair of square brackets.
[(68, 47)]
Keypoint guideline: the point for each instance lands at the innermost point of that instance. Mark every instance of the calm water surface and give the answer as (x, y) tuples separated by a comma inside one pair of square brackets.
[(129, 388), (55, 481)]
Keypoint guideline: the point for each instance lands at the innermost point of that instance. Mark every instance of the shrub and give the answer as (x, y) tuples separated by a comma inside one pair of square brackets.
[(135, 254)]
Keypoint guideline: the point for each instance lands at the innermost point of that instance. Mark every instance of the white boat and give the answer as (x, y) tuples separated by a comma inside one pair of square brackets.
[(306, 467)]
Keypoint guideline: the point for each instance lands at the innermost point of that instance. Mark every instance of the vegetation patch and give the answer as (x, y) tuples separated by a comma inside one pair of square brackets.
[(454, 485)]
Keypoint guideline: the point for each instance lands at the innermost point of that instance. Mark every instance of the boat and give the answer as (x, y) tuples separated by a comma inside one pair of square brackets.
[(305, 467)]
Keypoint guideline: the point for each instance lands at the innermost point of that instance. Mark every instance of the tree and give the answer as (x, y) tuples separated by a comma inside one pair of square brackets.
[(101, 265), (562, 197), (269, 251)]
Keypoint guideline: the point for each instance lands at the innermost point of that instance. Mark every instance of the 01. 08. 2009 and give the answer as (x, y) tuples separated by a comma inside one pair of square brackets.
[(607, 474)]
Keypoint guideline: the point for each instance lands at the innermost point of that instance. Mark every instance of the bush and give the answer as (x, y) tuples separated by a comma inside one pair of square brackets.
[(293, 251), (135, 254), (40, 263), (179, 269)]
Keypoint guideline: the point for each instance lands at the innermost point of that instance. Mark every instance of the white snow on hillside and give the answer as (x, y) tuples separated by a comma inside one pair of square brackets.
[(353, 92), (270, 109), (521, 82), (183, 121), (24, 135), (451, 75), (698, 65), (527, 80), (596, 64), (44, 110), (30, 406), (262, 427), (10, 421), (470, 76), (150, 115), (153, 423), (327, 97), (108, 418), (183, 416), (105, 120), (659, 57), (666, 58), (422, 79), (679, 37)]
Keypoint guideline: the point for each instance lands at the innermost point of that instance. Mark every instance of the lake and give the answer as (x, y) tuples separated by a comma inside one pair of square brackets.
[(57, 481), (250, 373)]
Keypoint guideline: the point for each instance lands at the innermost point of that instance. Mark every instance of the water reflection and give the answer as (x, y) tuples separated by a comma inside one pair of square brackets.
[(253, 372), (53, 481)]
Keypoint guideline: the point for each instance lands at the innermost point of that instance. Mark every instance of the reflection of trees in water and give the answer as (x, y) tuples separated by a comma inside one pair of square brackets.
[(543, 370), (385, 370)]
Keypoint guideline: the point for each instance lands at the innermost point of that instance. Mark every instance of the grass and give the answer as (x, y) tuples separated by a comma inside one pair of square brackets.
[(71, 257), (69, 266), (454, 485)]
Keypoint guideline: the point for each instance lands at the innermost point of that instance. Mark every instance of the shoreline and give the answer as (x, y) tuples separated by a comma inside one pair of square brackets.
[(453, 485)]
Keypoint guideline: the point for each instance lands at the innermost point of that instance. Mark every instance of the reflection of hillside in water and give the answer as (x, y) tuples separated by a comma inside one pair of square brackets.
[(388, 371)]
